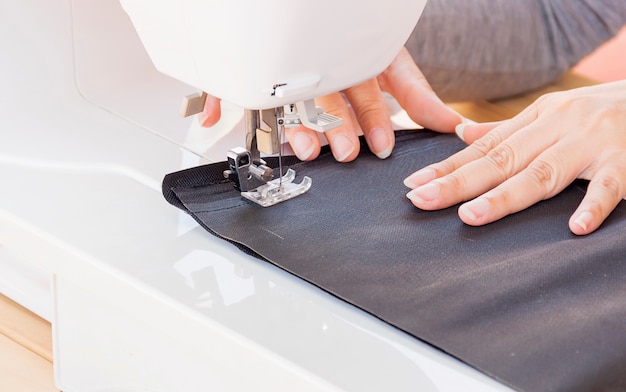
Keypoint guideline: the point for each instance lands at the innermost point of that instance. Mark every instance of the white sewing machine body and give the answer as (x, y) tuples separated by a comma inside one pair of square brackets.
[(265, 54), (140, 297)]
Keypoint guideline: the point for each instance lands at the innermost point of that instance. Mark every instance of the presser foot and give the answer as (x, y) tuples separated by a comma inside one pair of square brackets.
[(254, 180), (279, 189)]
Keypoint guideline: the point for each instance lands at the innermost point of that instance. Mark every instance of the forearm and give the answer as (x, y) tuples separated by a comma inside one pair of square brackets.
[(482, 49)]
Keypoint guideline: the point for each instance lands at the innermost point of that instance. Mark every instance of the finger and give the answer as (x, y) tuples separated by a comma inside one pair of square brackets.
[(469, 132), (478, 149), (604, 192), (404, 80), (344, 141), (212, 111), (473, 152), (373, 116), (547, 175), (506, 159), (304, 142)]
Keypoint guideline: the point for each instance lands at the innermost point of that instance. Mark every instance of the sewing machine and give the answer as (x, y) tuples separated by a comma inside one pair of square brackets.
[(272, 58), (140, 297)]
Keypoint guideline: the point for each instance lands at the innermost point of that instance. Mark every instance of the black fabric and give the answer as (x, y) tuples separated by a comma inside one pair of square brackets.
[(521, 299)]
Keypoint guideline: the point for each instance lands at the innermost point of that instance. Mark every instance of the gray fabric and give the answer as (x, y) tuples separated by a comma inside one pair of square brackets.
[(483, 49), (522, 299)]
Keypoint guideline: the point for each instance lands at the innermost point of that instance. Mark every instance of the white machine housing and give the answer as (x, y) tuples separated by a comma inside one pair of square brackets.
[(265, 54)]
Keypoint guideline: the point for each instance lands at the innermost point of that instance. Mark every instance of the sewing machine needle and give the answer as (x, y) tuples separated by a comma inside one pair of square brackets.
[(280, 157), (279, 125)]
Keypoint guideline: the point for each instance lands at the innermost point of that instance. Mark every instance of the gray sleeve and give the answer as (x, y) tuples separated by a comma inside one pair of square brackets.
[(483, 49)]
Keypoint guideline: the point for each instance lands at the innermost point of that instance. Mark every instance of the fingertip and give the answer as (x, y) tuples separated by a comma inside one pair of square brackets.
[(309, 155), (208, 120), (459, 129), (345, 147), (304, 145), (343, 141), (470, 131), (582, 223), (211, 113), (414, 200), (475, 212), (425, 197), (420, 178), (408, 183), (381, 142)]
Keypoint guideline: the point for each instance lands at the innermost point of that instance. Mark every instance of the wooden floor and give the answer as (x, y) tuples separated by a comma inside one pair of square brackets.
[(25, 350)]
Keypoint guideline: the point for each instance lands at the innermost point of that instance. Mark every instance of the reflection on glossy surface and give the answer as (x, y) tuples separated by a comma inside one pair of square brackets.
[(308, 326), (273, 313), (214, 278)]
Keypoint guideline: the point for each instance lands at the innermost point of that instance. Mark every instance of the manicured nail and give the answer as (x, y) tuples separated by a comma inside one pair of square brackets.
[(424, 193), (302, 145), (459, 130), (342, 147), (420, 177), (584, 220), (380, 143), (476, 208)]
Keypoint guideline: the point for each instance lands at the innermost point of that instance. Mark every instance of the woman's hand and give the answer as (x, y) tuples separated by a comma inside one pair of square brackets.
[(363, 109), (511, 165)]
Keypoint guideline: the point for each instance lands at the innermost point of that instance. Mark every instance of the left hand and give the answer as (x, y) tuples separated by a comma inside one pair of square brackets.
[(513, 164)]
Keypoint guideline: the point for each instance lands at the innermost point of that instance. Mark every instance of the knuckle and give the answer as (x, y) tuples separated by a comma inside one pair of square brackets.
[(332, 103), (544, 99), (502, 158), (543, 174), (503, 201), (456, 182), (612, 187), (486, 143), (551, 99), (445, 167), (603, 117), (370, 108), (566, 101), (506, 198)]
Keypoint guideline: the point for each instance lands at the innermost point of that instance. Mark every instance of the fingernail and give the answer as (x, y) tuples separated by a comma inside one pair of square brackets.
[(584, 220), (476, 208), (459, 130), (424, 193), (303, 146), (342, 147), (420, 177), (380, 143)]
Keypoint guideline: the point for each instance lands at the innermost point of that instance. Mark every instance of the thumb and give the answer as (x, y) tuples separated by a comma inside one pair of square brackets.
[(470, 132), (407, 84)]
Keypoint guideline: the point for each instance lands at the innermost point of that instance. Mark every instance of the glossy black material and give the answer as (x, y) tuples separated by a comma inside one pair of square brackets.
[(521, 299)]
